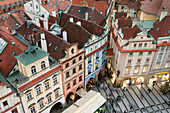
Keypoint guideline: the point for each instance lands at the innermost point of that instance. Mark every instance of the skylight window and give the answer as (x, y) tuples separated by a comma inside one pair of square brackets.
[(3, 44), (157, 29)]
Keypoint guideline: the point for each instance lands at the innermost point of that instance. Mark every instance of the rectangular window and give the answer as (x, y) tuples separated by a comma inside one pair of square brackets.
[(74, 82), (167, 64), (89, 59), (131, 53), (47, 86), (145, 69), (162, 48), (160, 56), (14, 110), (145, 44), (56, 94), (147, 60), (136, 70), (140, 44), (32, 109), (80, 67), (157, 66), (5, 103), (150, 52), (80, 58), (49, 99), (139, 61), (129, 61), (68, 86), (134, 45), (66, 65), (74, 61), (140, 53), (55, 81), (96, 66), (29, 96), (38, 90), (127, 71), (80, 78), (67, 75), (74, 71), (41, 104)]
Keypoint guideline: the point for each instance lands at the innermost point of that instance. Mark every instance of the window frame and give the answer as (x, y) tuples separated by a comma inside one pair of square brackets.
[(43, 66), (38, 91), (33, 70)]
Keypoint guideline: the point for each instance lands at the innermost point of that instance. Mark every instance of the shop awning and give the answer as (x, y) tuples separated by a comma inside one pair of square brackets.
[(81, 92), (89, 103)]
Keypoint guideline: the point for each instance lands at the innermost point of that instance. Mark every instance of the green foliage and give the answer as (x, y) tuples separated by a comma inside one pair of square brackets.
[(165, 88)]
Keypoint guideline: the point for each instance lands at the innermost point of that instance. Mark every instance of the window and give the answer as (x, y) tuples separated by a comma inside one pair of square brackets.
[(97, 55), (49, 99), (32, 109), (96, 66), (14, 110), (55, 81), (140, 53), (160, 56), (74, 71), (141, 37), (167, 64), (29, 96), (89, 71), (38, 90), (131, 53), (5, 103), (37, 6), (157, 66), (147, 60), (134, 45), (127, 71), (31, 4), (139, 61), (145, 44), (145, 69), (129, 61), (33, 70), (66, 65), (140, 44), (162, 48), (89, 59), (41, 104), (150, 52), (56, 94), (74, 61), (72, 51), (68, 86), (80, 67), (136, 70), (43, 65), (80, 78), (74, 82), (47, 86), (80, 58), (67, 75)]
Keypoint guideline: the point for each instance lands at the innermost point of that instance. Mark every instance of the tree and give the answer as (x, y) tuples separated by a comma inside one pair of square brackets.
[(165, 88)]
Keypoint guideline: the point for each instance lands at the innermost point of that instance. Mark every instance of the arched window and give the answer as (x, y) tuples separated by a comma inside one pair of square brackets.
[(33, 70), (43, 65)]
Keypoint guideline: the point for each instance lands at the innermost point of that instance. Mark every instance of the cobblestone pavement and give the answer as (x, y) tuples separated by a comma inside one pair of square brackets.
[(135, 99)]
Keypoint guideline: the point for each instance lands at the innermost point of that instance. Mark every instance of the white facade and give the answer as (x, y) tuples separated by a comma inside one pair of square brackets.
[(9, 101)]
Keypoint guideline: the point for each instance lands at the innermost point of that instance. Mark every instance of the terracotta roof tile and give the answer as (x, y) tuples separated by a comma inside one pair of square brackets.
[(87, 25), (76, 33), (101, 6), (123, 1), (124, 22), (93, 14), (161, 28), (120, 15), (8, 54)]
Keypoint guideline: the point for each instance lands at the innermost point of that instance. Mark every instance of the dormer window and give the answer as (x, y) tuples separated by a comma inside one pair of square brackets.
[(43, 65), (33, 70)]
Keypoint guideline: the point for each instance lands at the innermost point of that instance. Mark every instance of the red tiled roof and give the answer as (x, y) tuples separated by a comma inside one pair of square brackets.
[(161, 28), (76, 33), (120, 15), (51, 39), (51, 6), (101, 6), (87, 25), (93, 14), (130, 32), (124, 22), (52, 20), (155, 6), (134, 5), (8, 59), (123, 1)]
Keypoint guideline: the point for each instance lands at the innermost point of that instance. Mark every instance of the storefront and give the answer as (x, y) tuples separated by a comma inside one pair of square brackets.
[(140, 80)]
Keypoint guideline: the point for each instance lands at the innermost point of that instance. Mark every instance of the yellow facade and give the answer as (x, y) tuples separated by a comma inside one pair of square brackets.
[(145, 16)]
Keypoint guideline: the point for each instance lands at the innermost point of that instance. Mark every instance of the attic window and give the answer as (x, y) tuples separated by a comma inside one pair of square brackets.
[(56, 48), (157, 29), (3, 44)]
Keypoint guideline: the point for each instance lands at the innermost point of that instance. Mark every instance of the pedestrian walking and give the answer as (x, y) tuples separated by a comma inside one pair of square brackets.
[(149, 90), (105, 86), (131, 107), (101, 85)]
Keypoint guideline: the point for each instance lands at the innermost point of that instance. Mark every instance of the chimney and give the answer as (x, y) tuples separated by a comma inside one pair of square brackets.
[(43, 42), (71, 19), (54, 13), (163, 15), (65, 35), (78, 23), (86, 16), (45, 22), (37, 21)]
